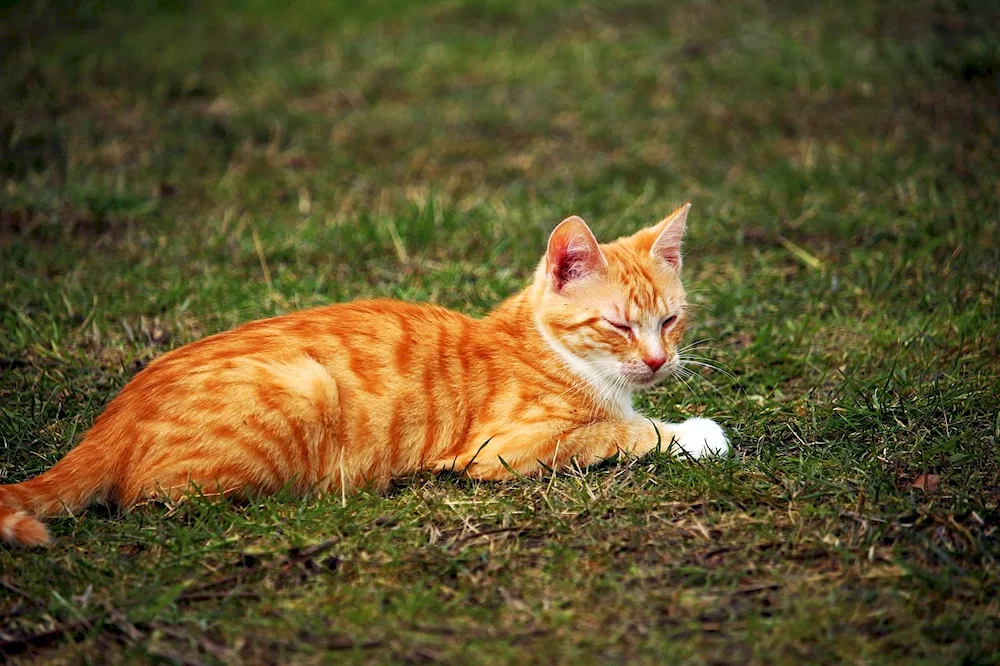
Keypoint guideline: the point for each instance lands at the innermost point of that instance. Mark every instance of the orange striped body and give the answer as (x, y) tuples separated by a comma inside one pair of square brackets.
[(357, 394)]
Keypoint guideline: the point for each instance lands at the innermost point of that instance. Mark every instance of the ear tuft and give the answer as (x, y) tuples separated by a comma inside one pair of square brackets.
[(667, 246), (573, 253)]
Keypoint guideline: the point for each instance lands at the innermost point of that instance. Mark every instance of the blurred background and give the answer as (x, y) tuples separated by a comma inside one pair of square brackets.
[(124, 121), (171, 169)]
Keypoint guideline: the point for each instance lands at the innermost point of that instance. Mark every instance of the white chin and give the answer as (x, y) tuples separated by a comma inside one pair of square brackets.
[(645, 382)]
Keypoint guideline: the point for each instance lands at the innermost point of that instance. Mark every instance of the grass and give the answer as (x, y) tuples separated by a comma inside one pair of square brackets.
[(167, 172)]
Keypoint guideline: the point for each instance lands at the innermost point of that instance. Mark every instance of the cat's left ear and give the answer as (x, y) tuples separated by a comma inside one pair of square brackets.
[(669, 232), (573, 254)]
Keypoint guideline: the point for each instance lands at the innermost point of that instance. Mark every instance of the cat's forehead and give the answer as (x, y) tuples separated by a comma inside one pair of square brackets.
[(640, 286)]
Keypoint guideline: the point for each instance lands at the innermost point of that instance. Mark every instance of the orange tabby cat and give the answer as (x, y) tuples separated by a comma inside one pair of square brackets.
[(360, 393)]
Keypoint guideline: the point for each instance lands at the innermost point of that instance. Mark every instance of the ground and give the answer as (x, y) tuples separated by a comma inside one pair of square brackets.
[(170, 169)]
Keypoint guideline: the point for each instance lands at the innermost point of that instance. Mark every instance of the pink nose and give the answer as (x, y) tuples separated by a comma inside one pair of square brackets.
[(656, 362)]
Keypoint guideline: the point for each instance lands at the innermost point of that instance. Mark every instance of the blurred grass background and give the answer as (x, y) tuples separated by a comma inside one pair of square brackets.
[(168, 170)]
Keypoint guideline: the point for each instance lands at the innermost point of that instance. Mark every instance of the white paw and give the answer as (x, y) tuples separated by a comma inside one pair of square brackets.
[(701, 437)]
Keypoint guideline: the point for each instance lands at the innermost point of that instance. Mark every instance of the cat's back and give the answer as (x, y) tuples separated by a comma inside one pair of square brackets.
[(371, 347), (366, 334)]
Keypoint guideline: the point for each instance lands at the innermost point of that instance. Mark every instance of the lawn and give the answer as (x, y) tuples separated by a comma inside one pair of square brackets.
[(171, 169)]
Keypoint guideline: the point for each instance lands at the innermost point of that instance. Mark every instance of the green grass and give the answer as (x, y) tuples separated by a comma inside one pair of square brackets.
[(168, 172)]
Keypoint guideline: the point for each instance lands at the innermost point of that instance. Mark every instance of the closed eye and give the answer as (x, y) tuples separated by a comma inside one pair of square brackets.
[(624, 327), (668, 322)]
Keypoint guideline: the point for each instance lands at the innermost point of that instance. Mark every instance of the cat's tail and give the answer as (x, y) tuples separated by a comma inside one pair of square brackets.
[(85, 473), (20, 529)]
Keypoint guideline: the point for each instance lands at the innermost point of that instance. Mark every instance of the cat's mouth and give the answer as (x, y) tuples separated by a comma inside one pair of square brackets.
[(644, 378), (647, 381)]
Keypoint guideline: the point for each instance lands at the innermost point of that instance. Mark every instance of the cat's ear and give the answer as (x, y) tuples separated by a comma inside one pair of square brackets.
[(573, 254), (669, 232)]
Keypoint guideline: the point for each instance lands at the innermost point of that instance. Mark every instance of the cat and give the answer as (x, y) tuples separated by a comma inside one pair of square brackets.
[(353, 394)]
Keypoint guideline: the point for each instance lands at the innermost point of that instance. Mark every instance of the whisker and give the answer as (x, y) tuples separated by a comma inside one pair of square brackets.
[(710, 366), (687, 384), (701, 342), (694, 375)]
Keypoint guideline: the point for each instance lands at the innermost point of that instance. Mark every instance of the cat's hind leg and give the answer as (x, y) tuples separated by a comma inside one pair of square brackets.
[(254, 424)]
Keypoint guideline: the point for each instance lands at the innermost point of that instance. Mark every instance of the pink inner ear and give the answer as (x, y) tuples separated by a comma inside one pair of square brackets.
[(667, 246), (573, 253), (670, 254), (574, 264)]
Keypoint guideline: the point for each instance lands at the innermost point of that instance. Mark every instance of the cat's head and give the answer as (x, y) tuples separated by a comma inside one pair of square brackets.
[(615, 312)]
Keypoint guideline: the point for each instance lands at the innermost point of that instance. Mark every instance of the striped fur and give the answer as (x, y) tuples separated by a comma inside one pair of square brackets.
[(338, 397)]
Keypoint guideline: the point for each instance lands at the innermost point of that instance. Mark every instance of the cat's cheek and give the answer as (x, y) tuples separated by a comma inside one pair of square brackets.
[(702, 437), (675, 333)]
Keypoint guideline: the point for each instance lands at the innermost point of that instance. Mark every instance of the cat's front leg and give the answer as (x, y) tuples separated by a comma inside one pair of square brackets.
[(696, 438), (530, 449)]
